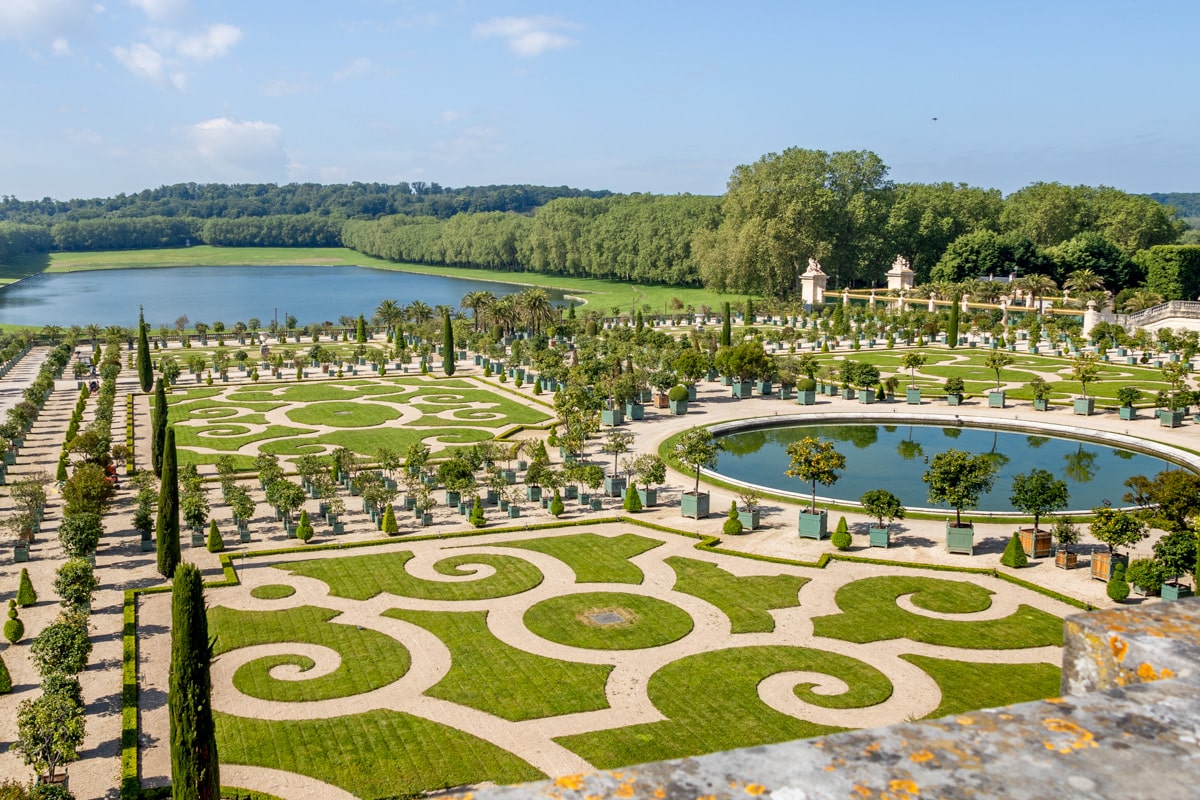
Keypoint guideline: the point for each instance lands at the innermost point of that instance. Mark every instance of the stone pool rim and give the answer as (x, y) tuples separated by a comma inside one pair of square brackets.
[(1168, 453)]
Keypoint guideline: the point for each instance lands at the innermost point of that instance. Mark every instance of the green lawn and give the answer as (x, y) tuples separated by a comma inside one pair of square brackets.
[(711, 703), (272, 591), (970, 686), (369, 659), (343, 415), (746, 601), (594, 558), (870, 614), (569, 619), (495, 677), (363, 577), (375, 754)]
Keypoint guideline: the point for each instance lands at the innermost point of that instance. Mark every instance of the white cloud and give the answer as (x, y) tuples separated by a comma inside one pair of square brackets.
[(142, 60), (528, 36), (239, 150), (60, 47), (451, 116), (356, 67), (161, 9), (43, 19), (163, 60), (213, 42)]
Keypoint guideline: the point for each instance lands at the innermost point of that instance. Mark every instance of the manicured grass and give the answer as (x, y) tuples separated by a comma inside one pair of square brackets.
[(272, 591), (594, 558), (230, 436), (375, 754), (649, 622), (495, 677), (343, 415), (369, 659), (870, 614), (364, 577), (970, 686), (711, 703), (311, 392), (746, 601), (398, 440)]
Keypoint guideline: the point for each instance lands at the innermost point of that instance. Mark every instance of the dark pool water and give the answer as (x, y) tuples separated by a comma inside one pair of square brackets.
[(894, 457)]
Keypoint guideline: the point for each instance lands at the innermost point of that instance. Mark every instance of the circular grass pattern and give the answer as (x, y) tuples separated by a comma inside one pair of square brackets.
[(343, 415), (608, 621), (272, 591)]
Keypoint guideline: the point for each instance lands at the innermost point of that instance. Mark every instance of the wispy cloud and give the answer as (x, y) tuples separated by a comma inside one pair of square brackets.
[(528, 36), (164, 59), (451, 116), (49, 22), (161, 9), (356, 67), (239, 149)]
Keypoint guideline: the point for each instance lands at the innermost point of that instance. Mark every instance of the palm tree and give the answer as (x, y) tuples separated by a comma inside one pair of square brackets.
[(504, 312), (479, 303), (1038, 287), (52, 332), (1083, 280), (536, 308), (387, 314), (1142, 299), (93, 331), (419, 311)]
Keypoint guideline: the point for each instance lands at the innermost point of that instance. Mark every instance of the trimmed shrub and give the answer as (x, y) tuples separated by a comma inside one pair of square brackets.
[(732, 526), (556, 505), (805, 385), (1014, 555), (215, 543), (479, 520), (1147, 574), (5, 679), (304, 528), (75, 583), (633, 502), (389, 525), (14, 628), (1118, 587), (733, 509), (841, 535), (677, 394), (26, 596)]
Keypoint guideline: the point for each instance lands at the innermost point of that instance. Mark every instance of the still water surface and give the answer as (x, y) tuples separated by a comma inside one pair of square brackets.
[(894, 457), (229, 294)]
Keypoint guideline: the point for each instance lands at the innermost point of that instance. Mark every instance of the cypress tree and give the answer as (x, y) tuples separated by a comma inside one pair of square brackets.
[(158, 425), (726, 329), (750, 310), (304, 528), (26, 596), (447, 344), (167, 528), (195, 772), (360, 334), (571, 310), (952, 325), (144, 368)]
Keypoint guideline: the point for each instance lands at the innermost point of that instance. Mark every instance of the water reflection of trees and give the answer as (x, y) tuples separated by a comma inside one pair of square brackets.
[(745, 443), (1081, 465), (909, 448), (998, 459), (952, 433), (861, 436), (1036, 441)]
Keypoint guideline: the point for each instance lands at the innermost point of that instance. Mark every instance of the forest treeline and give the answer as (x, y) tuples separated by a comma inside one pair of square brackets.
[(839, 208)]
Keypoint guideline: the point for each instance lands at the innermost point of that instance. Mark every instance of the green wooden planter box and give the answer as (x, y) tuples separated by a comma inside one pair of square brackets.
[(614, 486), (1169, 418), (1041, 405), (635, 411), (514, 511), (533, 493), (960, 540), (21, 552), (1084, 406), (807, 397), (866, 396), (813, 526), (995, 399), (848, 393), (612, 416), (749, 519), (1174, 591), (649, 497), (880, 537), (742, 389), (244, 537), (954, 399), (694, 505), (678, 407), (912, 396), (1128, 413), (597, 504)]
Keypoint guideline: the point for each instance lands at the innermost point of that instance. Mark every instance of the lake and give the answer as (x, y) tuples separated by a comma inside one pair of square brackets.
[(229, 294), (894, 457)]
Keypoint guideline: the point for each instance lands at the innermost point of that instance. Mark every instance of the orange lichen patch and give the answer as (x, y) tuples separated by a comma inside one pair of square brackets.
[(921, 756), (965, 720), (1083, 738), (1054, 700), (1147, 672), (900, 790), (1119, 647), (755, 789), (1007, 717), (873, 747), (573, 782), (861, 790), (625, 790), (660, 792)]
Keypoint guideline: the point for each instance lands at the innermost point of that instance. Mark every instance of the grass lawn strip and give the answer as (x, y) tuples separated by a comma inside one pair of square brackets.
[(578, 620), (375, 754), (365, 576), (747, 601), (229, 436), (969, 686), (712, 703), (343, 415), (494, 677), (870, 614), (398, 440), (594, 558), (369, 659)]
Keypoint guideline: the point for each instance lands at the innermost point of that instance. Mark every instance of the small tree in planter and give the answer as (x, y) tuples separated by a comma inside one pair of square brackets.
[(1147, 574), (957, 479), (677, 400), (648, 471), (749, 515), (954, 390), (1041, 393), (79, 533), (814, 461), (997, 361), (697, 449), (75, 582), (1115, 529), (1066, 534), (1085, 370), (884, 507), (1176, 552), (1127, 396), (1037, 493), (617, 443)]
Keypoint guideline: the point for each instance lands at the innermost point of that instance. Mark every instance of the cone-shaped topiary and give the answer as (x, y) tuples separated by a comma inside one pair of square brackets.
[(733, 509), (842, 527), (1014, 554), (477, 518), (841, 538), (14, 629), (732, 527), (5, 679), (556, 505), (215, 543), (389, 525), (304, 528), (632, 501), (194, 765), (1118, 587), (26, 596)]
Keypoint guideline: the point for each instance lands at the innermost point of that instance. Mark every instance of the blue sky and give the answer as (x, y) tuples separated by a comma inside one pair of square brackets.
[(109, 96)]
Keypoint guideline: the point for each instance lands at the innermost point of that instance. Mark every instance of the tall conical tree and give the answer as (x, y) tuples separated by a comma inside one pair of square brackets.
[(167, 528), (952, 325), (195, 771), (447, 344), (158, 426), (726, 329), (360, 332), (144, 367)]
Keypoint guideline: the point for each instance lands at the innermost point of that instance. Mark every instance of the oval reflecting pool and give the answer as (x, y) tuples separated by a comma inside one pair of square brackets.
[(894, 457)]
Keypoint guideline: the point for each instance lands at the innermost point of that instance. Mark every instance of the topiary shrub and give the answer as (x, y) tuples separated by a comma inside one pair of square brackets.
[(304, 528), (26, 596), (732, 526), (1014, 554), (556, 505), (479, 520), (678, 394), (733, 512), (215, 543), (537, 387), (487, 370), (14, 629), (1118, 587), (841, 538), (842, 527), (806, 385), (633, 502), (5, 679), (388, 525)]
